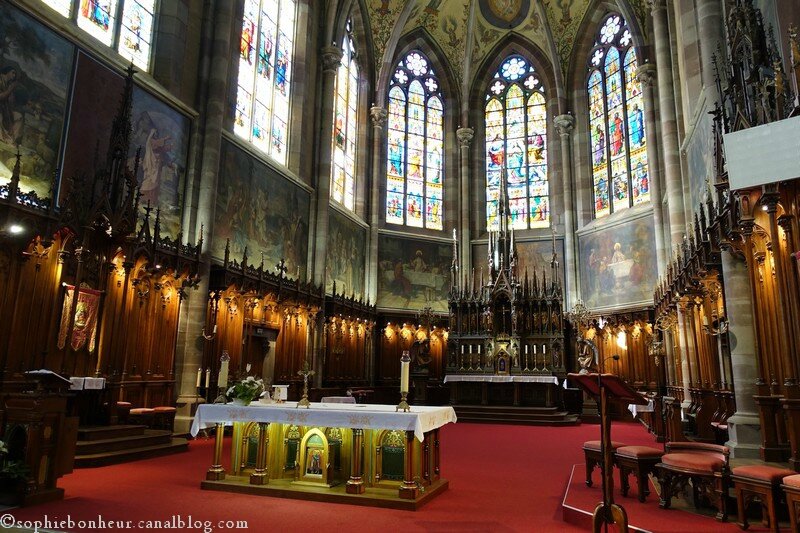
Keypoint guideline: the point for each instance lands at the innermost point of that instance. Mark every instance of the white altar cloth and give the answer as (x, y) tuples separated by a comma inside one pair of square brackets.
[(636, 409), (492, 378), (420, 419)]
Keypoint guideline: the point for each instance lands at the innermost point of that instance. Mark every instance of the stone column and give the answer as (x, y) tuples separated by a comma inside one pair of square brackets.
[(465, 136), (215, 76), (565, 125), (686, 372), (646, 74), (331, 59), (744, 425), (669, 123), (709, 34), (378, 115)]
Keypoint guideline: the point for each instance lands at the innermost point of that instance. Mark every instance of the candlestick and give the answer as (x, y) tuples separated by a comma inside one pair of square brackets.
[(405, 363), (208, 377), (199, 377)]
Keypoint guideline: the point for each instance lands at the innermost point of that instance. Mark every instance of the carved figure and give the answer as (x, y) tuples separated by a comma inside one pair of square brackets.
[(587, 355)]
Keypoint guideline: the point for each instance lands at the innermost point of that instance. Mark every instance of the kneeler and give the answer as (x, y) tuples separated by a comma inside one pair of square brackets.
[(607, 387)]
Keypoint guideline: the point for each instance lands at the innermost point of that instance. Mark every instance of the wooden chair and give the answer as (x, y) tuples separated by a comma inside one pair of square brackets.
[(593, 457), (791, 487), (759, 483), (164, 417), (639, 461), (142, 416), (705, 465)]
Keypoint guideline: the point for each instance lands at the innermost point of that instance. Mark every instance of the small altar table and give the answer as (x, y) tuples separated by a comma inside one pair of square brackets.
[(502, 389), (419, 438)]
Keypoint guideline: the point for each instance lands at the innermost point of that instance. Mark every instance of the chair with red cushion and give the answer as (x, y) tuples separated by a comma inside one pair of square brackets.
[(164, 417), (594, 457), (142, 415), (791, 487), (705, 465), (640, 461), (759, 483)]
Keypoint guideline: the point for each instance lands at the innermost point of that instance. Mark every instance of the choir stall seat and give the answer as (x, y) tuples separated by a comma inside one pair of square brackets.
[(705, 465), (759, 483), (164, 417), (142, 416), (640, 461), (791, 487), (594, 457)]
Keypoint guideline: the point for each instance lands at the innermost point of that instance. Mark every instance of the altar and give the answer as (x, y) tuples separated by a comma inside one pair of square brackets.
[(493, 389), (347, 453)]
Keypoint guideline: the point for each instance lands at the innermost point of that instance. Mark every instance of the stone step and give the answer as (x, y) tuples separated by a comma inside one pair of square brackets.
[(109, 432), (176, 445), (147, 438)]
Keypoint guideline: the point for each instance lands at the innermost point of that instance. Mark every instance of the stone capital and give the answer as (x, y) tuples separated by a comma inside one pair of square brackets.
[(331, 58), (465, 136), (565, 124), (657, 5), (646, 74), (378, 116)]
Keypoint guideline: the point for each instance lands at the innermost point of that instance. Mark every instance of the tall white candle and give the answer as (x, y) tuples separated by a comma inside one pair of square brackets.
[(404, 368), (208, 377), (470, 349), (222, 380), (479, 348), (544, 348), (199, 377), (534, 349), (526, 349), (215, 328), (462, 349)]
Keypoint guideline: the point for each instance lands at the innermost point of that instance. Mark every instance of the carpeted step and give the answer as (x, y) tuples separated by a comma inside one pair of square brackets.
[(568, 421), (538, 416), (109, 432), (149, 437), (176, 445)]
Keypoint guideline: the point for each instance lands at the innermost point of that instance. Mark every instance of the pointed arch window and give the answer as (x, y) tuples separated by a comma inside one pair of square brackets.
[(131, 34), (616, 117), (516, 143), (416, 145), (264, 83), (345, 124)]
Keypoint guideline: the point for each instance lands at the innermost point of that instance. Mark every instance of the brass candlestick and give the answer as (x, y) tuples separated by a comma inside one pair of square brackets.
[(405, 362), (305, 373)]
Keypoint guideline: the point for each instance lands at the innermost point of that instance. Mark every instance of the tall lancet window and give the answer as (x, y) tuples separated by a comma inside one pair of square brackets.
[(616, 114), (416, 145), (265, 68), (345, 123), (129, 32), (516, 143)]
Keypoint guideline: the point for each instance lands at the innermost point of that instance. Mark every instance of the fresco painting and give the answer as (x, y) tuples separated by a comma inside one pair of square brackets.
[(533, 256), (346, 255), (262, 211), (618, 265), (413, 274), (35, 73)]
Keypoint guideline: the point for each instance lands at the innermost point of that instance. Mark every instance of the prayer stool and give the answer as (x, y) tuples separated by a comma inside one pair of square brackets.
[(122, 411), (704, 465), (640, 461), (791, 487), (762, 483), (142, 415), (594, 457), (164, 417)]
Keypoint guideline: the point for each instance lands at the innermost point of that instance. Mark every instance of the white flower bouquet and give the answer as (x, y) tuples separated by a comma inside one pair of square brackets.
[(246, 390)]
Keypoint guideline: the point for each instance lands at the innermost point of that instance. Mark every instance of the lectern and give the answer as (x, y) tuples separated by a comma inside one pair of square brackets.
[(607, 387)]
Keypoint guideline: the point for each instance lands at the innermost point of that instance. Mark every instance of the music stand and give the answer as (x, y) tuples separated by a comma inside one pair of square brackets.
[(607, 387)]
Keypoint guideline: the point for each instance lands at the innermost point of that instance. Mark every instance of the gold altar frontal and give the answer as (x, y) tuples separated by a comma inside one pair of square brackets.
[(388, 468)]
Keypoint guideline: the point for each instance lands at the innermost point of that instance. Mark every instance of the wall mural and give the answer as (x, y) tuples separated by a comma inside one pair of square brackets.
[(383, 16), (533, 256), (489, 30), (345, 262), (159, 131), (618, 264), (700, 159), (413, 274), (504, 13), (35, 72), (262, 211)]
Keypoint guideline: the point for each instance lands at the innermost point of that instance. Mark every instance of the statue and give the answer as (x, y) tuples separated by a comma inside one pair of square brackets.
[(588, 354), (421, 354)]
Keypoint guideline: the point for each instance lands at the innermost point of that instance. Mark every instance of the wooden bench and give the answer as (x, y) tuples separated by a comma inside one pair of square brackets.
[(594, 457), (639, 461), (759, 483)]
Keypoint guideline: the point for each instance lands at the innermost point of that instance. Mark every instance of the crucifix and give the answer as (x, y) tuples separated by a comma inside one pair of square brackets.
[(281, 268), (305, 372)]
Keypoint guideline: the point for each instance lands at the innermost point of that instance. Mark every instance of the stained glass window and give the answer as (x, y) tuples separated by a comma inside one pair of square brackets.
[(344, 127), (131, 33), (516, 144), (416, 145), (265, 61), (616, 119)]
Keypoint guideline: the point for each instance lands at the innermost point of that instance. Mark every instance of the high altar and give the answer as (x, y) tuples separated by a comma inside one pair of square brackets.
[(506, 333)]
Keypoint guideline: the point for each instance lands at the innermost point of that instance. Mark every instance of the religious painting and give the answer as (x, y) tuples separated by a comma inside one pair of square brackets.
[(262, 211), (346, 255), (35, 73), (618, 264), (158, 131), (532, 256), (504, 13), (700, 159), (84, 324), (413, 274)]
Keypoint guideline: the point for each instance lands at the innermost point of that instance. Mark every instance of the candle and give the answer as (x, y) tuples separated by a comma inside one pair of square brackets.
[(526, 349), (222, 379), (470, 349), (534, 349), (462, 349), (215, 328), (208, 377), (544, 349), (479, 348), (199, 377), (248, 367), (404, 368)]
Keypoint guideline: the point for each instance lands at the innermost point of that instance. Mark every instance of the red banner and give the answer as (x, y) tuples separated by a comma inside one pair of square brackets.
[(84, 325)]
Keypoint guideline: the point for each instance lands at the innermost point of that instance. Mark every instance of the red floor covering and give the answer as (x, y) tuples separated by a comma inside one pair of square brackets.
[(502, 478)]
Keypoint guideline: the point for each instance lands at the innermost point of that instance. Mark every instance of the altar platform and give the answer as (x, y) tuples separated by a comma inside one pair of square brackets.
[(345, 453)]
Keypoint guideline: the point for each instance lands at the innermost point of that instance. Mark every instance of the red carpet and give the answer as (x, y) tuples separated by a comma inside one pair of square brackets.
[(502, 478)]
